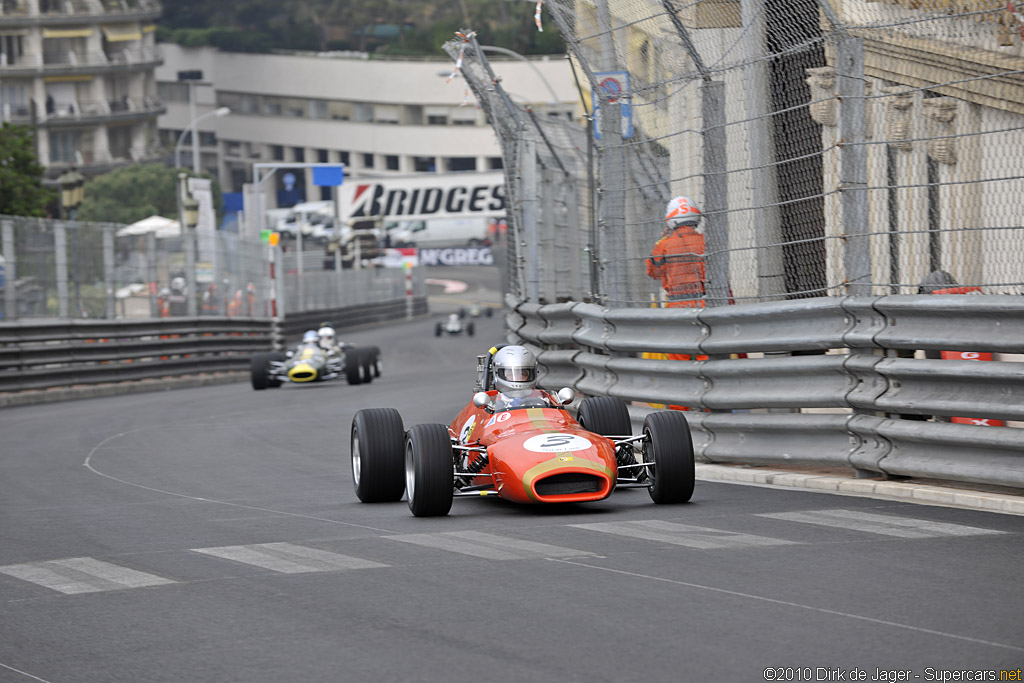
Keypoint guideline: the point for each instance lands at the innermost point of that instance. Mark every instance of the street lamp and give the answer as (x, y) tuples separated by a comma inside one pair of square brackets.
[(72, 192), (219, 113)]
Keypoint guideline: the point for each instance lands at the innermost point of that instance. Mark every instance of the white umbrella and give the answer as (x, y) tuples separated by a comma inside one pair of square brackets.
[(162, 227)]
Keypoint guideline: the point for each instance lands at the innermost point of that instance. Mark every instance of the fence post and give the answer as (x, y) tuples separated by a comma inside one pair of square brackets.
[(190, 269), (547, 207), (277, 310), (853, 168), (109, 281), (151, 276), (10, 271), (60, 248), (528, 175), (715, 192)]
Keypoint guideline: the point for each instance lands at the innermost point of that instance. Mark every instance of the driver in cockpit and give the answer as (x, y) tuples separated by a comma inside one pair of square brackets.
[(515, 378)]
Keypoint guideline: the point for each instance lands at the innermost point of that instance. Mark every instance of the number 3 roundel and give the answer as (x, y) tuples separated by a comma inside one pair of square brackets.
[(556, 443)]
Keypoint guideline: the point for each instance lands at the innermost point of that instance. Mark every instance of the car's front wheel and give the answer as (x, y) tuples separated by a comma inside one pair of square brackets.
[(377, 442), (669, 445), (429, 470), (353, 366), (258, 371)]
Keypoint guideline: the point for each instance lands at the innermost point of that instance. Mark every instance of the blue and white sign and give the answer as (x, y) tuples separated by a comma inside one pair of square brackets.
[(615, 85), (328, 176)]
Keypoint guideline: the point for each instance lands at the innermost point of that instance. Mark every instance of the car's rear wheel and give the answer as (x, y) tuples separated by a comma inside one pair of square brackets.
[(469, 328), (377, 445), (429, 470), (258, 371), (669, 445), (353, 366), (438, 329), (604, 415)]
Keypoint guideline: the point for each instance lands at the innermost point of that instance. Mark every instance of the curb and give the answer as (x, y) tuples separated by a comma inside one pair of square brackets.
[(31, 398), (907, 492)]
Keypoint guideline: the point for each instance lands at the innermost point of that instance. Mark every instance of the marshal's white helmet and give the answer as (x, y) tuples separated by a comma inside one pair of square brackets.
[(310, 337), (326, 335), (515, 371), (682, 211)]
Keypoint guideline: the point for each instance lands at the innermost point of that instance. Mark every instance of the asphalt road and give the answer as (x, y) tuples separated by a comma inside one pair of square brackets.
[(213, 535)]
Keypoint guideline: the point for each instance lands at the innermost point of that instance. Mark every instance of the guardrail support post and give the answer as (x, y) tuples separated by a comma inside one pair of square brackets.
[(109, 280), (10, 271), (60, 248), (154, 306)]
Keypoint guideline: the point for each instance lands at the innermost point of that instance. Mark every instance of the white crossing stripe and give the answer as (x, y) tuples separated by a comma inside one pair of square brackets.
[(488, 546), (887, 525), (82, 575), (288, 559), (682, 534)]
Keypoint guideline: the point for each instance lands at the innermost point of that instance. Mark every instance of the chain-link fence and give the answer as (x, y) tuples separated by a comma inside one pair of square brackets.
[(866, 147), (73, 269)]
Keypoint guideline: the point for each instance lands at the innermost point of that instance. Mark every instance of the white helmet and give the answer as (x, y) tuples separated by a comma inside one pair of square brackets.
[(326, 335), (178, 283), (515, 371), (310, 337), (682, 211)]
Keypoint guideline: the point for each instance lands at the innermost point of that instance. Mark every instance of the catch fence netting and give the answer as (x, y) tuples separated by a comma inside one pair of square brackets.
[(865, 147)]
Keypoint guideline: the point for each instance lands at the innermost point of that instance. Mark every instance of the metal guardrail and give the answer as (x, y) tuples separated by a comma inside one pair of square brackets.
[(41, 355), (61, 353), (828, 381)]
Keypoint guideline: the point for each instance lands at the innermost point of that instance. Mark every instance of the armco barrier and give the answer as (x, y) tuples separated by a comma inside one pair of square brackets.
[(48, 354), (851, 396)]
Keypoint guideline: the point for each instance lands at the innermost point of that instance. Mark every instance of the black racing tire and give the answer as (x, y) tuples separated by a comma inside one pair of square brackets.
[(275, 382), (258, 371), (469, 328), (462, 314), (377, 451), (375, 360), (604, 415), (669, 445), (429, 470), (438, 329), (489, 312), (353, 366), (366, 362)]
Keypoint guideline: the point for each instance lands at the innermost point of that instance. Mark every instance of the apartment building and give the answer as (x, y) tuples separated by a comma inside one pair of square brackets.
[(375, 116), (82, 73)]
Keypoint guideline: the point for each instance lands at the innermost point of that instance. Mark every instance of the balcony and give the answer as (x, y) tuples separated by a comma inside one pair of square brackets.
[(71, 63), (71, 12), (86, 113)]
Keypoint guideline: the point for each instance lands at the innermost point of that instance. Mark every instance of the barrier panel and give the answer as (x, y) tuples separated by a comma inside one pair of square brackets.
[(828, 380)]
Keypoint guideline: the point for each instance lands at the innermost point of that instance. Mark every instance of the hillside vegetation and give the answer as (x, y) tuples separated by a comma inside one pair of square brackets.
[(395, 27)]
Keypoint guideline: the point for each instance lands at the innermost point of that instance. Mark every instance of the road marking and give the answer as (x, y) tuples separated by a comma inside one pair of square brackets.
[(488, 546), (287, 558), (82, 575), (682, 534), (887, 525)]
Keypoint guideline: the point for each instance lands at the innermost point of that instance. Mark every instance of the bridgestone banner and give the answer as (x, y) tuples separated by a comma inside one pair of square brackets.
[(466, 256), (424, 196)]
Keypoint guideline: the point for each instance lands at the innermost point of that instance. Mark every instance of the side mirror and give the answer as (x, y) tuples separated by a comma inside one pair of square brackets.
[(565, 396), (482, 400)]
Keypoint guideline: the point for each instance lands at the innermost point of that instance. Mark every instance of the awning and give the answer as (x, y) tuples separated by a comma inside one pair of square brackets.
[(13, 31), (115, 34), (149, 28), (67, 32), (76, 78)]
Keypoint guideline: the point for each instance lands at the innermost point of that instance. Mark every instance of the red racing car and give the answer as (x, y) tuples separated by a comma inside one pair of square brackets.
[(531, 453)]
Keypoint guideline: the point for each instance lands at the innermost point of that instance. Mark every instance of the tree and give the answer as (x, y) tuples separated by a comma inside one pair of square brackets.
[(131, 193), (21, 175)]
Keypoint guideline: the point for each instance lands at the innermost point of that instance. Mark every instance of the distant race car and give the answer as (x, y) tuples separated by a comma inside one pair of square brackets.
[(310, 363), (535, 453), (453, 325), (475, 310)]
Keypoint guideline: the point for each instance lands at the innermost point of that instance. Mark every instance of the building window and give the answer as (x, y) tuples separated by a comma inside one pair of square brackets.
[(391, 161), (277, 152), (207, 139), (496, 163), (272, 106), (300, 154), (317, 109), (367, 161), (322, 156), (63, 146), (437, 120), (462, 163), (13, 49), (344, 157), (119, 138), (423, 164)]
